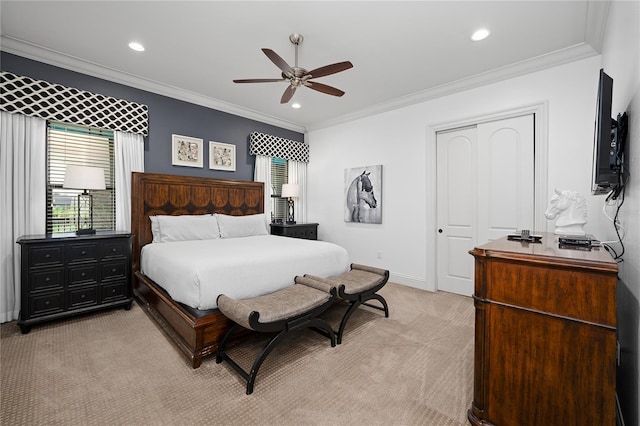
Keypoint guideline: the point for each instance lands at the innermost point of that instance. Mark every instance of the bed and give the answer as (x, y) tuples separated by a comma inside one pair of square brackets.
[(192, 321)]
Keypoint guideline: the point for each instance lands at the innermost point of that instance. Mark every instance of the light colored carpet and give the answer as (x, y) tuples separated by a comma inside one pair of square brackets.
[(118, 368)]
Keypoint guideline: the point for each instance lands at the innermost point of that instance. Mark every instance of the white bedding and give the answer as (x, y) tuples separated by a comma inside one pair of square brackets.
[(196, 272)]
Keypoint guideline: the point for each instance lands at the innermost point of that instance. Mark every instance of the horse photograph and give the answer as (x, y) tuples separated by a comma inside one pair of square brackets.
[(362, 184)]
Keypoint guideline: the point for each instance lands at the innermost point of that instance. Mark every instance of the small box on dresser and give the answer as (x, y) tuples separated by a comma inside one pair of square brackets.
[(65, 274)]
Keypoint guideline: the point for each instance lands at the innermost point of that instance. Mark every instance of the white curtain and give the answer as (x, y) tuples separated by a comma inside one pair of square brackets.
[(22, 199), (129, 157), (297, 173), (262, 173)]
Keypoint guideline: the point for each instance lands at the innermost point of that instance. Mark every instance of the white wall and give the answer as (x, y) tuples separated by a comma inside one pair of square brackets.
[(621, 60), (398, 140)]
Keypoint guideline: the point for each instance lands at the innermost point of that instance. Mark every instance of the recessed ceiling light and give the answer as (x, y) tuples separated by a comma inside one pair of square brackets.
[(481, 34), (295, 105), (136, 46)]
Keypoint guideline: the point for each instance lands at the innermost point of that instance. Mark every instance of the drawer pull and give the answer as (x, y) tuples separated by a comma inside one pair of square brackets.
[(113, 250), (47, 303), (113, 270), (46, 280), (83, 274), (83, 296), (47, 256), (83, 252), (113, 291)]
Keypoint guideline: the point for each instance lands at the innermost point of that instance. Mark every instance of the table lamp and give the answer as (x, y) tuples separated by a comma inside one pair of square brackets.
[(290, 191), (85, 178)]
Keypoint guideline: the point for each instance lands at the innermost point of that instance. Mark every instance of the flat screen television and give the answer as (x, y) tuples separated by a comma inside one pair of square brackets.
[(605, 173), (609, 168)]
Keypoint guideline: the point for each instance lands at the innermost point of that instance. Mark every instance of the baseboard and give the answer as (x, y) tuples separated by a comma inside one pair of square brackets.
[(409, 281)]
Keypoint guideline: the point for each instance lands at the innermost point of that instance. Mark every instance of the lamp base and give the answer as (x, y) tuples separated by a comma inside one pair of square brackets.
[(290, 222), (85, 231)]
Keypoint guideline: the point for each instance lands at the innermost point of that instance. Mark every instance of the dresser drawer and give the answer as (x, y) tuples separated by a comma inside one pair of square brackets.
[(46, 304), (46, 255), (82, 252), (87, 274), (81, 297), (113, 291), (113, 270), (47, 279), (115, 248)]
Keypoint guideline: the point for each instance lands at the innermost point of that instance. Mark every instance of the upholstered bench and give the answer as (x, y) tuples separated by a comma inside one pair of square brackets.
[(357, 286), (285, 310)]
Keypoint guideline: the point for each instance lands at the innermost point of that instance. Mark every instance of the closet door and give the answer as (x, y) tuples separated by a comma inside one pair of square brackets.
[(457, 189), (485, 190)]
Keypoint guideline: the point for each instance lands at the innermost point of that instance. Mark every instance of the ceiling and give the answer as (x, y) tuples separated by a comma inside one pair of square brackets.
[(402, 52)]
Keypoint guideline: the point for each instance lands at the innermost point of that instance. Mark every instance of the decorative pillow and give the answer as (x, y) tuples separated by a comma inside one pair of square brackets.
[(242, 226), (185, 228)]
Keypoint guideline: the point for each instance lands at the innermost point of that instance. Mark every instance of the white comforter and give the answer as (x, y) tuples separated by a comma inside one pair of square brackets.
[(196, 272)]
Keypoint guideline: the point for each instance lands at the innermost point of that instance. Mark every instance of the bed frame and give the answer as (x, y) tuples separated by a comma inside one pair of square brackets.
[(195, 332)]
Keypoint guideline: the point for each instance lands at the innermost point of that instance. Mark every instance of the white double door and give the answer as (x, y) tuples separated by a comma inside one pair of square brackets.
[(485, 190)]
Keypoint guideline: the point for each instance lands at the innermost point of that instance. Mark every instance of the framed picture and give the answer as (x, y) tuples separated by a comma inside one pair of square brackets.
[(222, 156), (186, 151), (363, 194)]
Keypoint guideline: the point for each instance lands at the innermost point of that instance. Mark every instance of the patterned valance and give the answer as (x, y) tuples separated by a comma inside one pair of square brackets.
[(24, 95), (274, 146)]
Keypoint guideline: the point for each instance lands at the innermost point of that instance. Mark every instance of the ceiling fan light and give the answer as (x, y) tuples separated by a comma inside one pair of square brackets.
[(480, 34), (295, 105)]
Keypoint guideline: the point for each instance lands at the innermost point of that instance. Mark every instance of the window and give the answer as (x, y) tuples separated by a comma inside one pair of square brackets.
[(70, 144), (279, 176)]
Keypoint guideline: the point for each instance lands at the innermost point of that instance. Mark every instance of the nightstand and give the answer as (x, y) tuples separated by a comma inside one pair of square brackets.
[(307, 231), (65, 274)]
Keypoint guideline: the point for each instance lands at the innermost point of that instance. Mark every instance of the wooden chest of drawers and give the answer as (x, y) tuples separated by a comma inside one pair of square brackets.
[(64, 275), (545, 335)]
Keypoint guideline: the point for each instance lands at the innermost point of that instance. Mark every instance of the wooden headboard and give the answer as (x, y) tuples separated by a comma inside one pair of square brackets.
[(161, 194)]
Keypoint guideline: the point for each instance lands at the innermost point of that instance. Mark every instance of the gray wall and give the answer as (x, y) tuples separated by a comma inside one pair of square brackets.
[(167, 116)]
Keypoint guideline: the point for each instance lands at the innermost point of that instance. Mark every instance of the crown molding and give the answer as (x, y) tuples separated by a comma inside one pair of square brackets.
[(597, 17), (559, 57), (59, 59)]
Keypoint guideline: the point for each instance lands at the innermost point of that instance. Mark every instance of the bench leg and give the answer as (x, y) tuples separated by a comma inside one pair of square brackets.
[(220, 355), (260, 359), (355, 304)]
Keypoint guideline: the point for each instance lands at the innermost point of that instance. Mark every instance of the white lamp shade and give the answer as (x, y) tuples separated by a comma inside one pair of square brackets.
[(290, 190), (83, 177)]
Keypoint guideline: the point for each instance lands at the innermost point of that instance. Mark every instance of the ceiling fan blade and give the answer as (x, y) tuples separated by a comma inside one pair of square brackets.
[(288, 94), (323, 88), (276, 59), (330, 69), (258, 80)]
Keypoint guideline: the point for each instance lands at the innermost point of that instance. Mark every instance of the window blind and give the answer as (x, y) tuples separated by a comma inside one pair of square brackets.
[(279, 176), (69, 144)]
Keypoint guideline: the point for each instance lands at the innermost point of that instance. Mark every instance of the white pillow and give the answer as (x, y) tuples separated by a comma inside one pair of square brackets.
[(185, 228), (155, 229), (242, 226)]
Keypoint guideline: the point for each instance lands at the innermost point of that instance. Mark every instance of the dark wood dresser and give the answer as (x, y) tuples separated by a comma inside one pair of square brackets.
[(308, 231), (545, 335), (65, 274)]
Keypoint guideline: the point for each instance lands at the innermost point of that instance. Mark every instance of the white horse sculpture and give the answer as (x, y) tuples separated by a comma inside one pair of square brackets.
[(570, 209)]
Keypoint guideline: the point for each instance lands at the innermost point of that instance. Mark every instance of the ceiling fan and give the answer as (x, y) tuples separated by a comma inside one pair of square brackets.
[(297, 76)]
